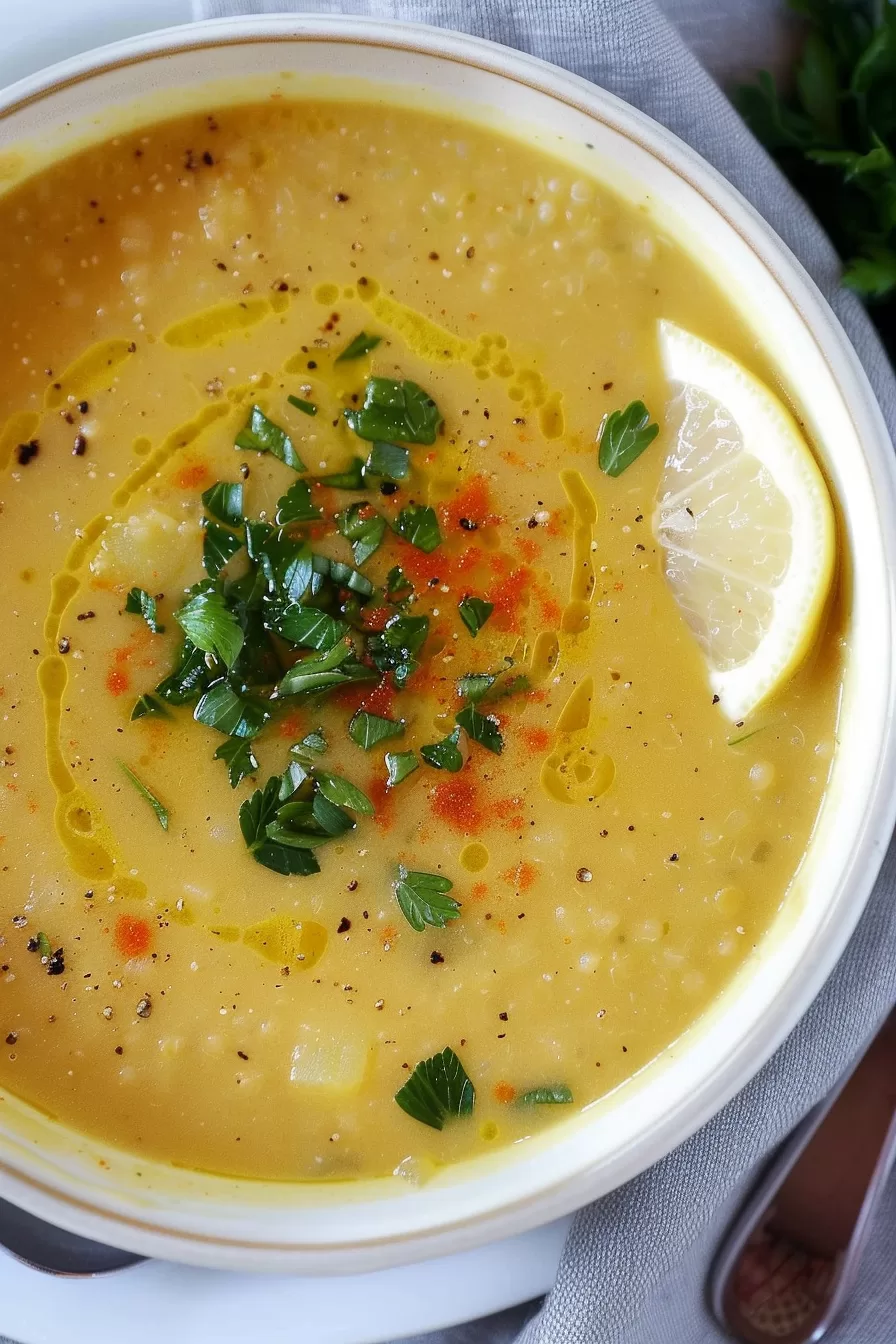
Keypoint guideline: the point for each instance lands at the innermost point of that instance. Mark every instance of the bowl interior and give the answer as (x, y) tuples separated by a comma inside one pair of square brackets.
[(209, 1219)]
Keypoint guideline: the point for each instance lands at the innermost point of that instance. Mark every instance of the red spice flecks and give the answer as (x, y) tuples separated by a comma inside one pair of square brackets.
[(504, 1092), (507, 811), (192, 476), (117, 681), (457, 802), (293, 726), (383, 800), (537, 740), (522, 875), (479, 891), (473, 504), (380, 700), (509, 595), (530, 550), (375, 618), (133, 936)]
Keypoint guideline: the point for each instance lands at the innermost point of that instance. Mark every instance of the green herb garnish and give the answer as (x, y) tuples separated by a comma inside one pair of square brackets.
[(311, 746), (395, 410), (350, 479), (296, 507), (231, 713), (474, 612), (190, 677), (623, 436), (437, 1090), (745, 737), (553, 1094), (343, 793), (419, 525), (261, 435), (444, 755), (139, 603), (397, 585), (325, 671), (159, 808), (149, 704), (368, 729), (481, 728), (218, 547), (361, 345), (400, 764), (307, 407), (238, 756), (209, 623), (364, 528), (390, 460), (308, 626), (41, 945), (256, 815), (475, 685), (224, 502), (424, 899), (394, 648)]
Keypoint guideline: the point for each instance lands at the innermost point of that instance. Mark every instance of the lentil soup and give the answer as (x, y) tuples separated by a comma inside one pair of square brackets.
[(357, 751)]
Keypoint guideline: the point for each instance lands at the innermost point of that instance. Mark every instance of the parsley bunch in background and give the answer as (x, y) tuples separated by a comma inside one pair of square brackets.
[(835, 138)]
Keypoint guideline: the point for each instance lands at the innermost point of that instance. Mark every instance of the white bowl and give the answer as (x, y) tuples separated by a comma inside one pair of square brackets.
[(210, 1220)]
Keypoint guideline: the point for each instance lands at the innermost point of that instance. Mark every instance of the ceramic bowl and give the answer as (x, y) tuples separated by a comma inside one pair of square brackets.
[(203, 1219)]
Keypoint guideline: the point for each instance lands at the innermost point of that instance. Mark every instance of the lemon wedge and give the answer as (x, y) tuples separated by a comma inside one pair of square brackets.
[(745, 520)]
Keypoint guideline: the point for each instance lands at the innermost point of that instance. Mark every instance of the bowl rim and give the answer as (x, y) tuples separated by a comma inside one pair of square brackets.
[(778, 1016)]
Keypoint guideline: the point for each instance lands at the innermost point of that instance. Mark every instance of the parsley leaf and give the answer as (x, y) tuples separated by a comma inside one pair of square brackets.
[(287, 564), (399, 765), (481, 728), (394, 648), (395, 410), (307, 407), (363, 527), (148, 704), (263, 436), (159, 808), (287, 860), (343, 793), (343, 575), (445, 755), (238, 756), (474, 612), (190, 677), (352, 478), (210, 624), (307, 626), (224, 501), (388, 459), (235, 715), (218, 547), (424, 899), (139, 603), (256, 815), (437, 1090), (623, 436), (296, 507), (368, 729), (475, 685), (419, 525), (362, 344), (552, 1094), (324, 672), (312, 744), (397, 585)]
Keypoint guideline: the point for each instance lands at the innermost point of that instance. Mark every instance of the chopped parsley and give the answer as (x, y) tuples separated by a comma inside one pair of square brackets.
[(139, 603), (307, 626), (623, 437), (219, 546), (395, 410), (364, 528), (400, 764), (424, 899), (388, 459), (419, 525), (149, 704), (369, 729), (481, 728), (352, 478), (296, 507), (232, 713), (474, 612), (159, 808), (437, 1090), (361, 345), (306, 407), (238, 756), (210, 624), (223, 501), (445, 755), (261, 435), (553, 1094)]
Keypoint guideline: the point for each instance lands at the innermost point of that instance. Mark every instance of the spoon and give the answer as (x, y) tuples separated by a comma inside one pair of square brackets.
[(53, 1251), (791, 1257)]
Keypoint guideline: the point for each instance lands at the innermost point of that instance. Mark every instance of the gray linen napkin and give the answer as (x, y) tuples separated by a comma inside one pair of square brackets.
[(635, 1265)]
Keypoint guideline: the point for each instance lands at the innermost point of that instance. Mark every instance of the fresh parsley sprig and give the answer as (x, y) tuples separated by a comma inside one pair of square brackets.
[(438, 1090)]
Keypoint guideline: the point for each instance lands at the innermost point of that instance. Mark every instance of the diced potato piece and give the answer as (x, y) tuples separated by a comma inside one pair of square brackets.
[(320, 1059), (150, 550)]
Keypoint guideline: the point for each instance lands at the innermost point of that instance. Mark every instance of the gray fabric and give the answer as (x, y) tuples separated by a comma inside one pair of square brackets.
[(635, 1265)]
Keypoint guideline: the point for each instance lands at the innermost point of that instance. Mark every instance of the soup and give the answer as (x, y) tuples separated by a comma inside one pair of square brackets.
[(367, 801)]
